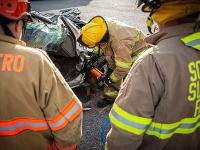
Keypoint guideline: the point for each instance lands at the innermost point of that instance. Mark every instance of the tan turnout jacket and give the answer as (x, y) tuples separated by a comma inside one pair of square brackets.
[(37, 108), (123, 43), (158, 107)]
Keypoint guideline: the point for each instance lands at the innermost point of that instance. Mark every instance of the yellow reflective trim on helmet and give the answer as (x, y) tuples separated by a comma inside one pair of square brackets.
[(149, 21), (114, 77), (192, 40), (122, 64)]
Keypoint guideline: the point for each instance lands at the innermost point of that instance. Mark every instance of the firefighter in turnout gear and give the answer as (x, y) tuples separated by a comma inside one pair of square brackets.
[(120, 43), (38, 109), (158, 106)]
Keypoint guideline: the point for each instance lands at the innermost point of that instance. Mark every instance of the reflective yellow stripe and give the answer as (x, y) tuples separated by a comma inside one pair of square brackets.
[(134, 58), (164, 131), (191, 37), (139, 125), (122, 64), (149, 21), (131, 117), (197, 47), (128, 122), (138, 36), (114, 77), (192, 40)]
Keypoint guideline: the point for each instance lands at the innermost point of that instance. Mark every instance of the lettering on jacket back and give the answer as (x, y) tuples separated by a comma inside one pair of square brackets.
[(11, 63), (194, 86)]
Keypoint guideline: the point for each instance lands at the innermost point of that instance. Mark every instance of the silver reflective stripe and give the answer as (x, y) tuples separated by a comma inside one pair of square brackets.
[(122, 64), (66, 117), (193, 43), (127, 122), (22, 124), (15, 126), (192, 40), (181, 126)]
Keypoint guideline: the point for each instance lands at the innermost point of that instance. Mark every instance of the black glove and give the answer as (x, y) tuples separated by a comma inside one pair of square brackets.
[(106, 76), (109, 81), (108, 72), (104, 80)]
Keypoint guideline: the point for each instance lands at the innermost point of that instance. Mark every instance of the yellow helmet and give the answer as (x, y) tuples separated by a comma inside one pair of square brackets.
[(93, 32)]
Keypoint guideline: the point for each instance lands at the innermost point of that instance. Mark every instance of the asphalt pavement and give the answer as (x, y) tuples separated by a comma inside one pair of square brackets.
[(121, 10)]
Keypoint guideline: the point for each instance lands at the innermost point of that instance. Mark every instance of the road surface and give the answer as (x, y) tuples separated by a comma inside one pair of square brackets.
[(121, 10)]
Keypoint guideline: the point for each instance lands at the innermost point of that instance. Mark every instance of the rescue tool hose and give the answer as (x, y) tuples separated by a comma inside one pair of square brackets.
[(103, 131)]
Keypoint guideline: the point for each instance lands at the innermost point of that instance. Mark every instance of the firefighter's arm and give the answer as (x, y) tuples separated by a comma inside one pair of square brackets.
[(122, 59), (133, 109), (62, 109)]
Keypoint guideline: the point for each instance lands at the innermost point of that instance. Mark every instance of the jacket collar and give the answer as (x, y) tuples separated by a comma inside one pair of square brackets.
[(171, 31), (11, 40)]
